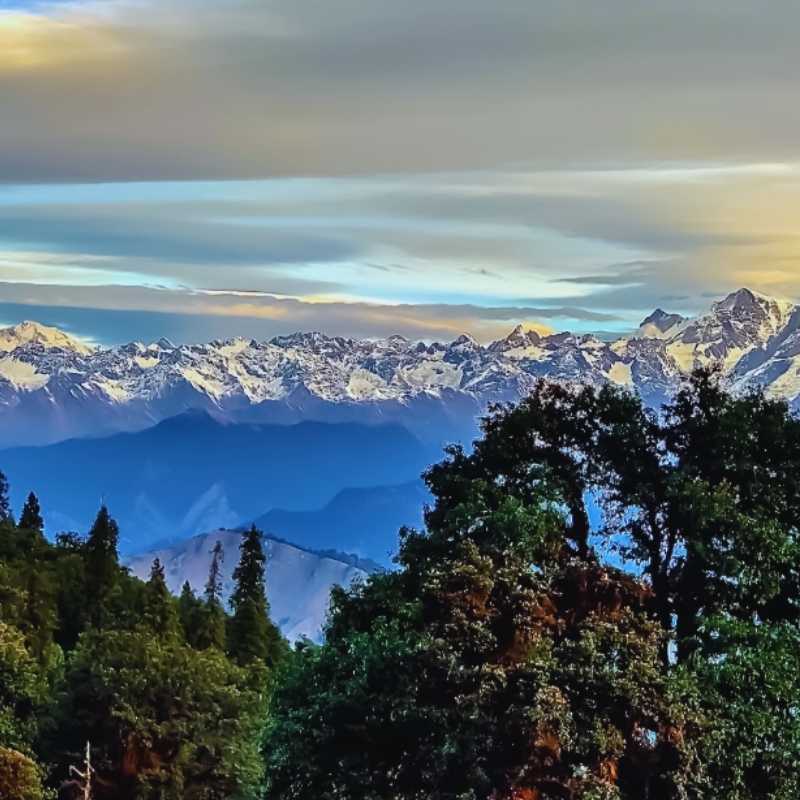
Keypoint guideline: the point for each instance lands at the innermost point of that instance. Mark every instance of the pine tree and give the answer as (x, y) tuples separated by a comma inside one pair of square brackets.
[(5, 503), (213, 592), (31, 517), (251, 635), (160, 612), (211, 628), (190, 613), (40, 614), (102, 565)]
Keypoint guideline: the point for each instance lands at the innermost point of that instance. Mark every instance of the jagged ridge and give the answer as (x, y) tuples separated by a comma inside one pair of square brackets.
[(52, 386)]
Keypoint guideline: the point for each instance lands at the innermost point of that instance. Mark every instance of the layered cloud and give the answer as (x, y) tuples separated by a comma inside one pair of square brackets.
[(369, 167), (136, 89)]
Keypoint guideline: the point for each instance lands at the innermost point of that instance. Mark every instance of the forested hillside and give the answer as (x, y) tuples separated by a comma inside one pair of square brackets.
[(518, 652), (171, 693)]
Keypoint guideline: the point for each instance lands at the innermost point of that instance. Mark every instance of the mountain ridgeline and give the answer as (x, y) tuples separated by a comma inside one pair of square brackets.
[(54, 387), (192, 473)]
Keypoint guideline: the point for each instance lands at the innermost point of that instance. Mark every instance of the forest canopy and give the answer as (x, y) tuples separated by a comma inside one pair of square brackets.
[(604, 604)]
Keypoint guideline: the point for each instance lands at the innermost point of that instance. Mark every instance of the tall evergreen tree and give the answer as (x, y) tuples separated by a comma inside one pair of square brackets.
[(5, 503), (251, 635), (191, 610), (31, 517), (211, 629), (160, 612), (102, 565)]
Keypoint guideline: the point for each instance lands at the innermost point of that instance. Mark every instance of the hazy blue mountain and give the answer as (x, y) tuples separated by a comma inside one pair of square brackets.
[(192, 473), (363, 521)]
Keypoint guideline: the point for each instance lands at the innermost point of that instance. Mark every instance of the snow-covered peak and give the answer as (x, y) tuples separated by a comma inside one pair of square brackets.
[(517, 339), (746, 305), (304, 375), (735, 326), (660, 325), (29, 332)]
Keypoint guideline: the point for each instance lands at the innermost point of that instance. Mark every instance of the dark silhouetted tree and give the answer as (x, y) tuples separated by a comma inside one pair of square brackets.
[(251, 634), (5, 503), (31, 516), (211, 627), (191, 610), (160, 612), (102, 566)]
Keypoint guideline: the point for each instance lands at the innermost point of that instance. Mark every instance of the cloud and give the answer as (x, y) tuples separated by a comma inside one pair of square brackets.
[(381, 167), (261, 316), (525, 241), (257, 88)]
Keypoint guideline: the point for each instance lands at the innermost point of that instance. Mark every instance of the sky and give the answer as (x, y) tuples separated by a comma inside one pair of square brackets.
[(201, 169)]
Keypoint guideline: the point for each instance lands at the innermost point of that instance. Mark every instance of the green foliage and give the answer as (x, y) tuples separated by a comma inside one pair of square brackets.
[(190, 610), (21, 691), (20, 777), (5, 503), (165, 720), (750, 676), (487, 667), (160, 612), (508, 659)]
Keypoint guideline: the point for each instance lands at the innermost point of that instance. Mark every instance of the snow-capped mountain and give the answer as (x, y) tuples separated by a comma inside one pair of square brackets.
[(53, 386), (46, 337), (298, 581)]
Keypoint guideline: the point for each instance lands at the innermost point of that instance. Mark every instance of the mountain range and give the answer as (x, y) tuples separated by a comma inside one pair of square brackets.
[(320, 440), (54, 386), (356, 520), (193, 473)]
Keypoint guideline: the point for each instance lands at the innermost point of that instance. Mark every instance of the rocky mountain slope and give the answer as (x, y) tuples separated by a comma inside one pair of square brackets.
[(299, 581), (53, 387)]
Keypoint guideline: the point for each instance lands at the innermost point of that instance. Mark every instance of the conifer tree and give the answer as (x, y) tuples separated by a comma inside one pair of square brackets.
[(251, 635), (5, 504), (102, 565), (31, 517), (211, 632), (40, 616), (190, 613), (160, 612)]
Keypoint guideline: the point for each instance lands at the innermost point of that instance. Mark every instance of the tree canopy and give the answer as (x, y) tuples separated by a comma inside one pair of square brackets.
[(603, 604)]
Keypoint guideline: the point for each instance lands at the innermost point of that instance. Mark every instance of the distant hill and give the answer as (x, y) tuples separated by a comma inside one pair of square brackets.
[(299, 581), (192, 473), (363, 521)]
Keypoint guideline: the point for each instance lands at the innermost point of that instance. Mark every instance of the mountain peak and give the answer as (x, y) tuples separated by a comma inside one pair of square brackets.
[(29, 332), (465, 340), (746, 304), (520, 337), (741, 299), (659, 324)]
